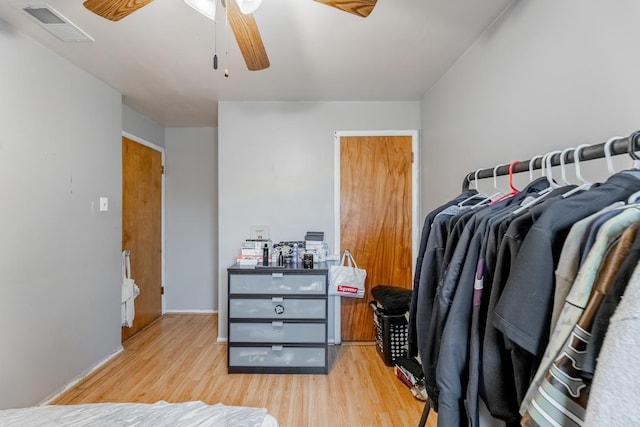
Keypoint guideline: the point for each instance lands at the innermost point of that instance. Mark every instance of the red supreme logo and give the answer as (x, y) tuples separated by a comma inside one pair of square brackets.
[(347, 289)]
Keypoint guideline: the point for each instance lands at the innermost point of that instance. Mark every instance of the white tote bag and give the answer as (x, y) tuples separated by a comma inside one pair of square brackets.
[(130, 291), (347, 280)]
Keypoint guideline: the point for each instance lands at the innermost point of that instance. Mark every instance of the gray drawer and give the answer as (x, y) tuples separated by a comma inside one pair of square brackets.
[(278, 283), (277, 308), (278, 332), (277, 356)]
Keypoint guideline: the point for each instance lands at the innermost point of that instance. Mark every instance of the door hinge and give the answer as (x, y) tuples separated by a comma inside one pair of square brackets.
[(412, 159), (161, 290), (162, 170)]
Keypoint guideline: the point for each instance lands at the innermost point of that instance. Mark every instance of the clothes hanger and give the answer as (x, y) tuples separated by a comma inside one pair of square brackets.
[(633, 139), (543, 194), (552, 183), (545, 172), (585, 184), (475, 178), (633, 199), (514, 190), (531, 162), (562, 165), (498, 193), (495, 181), (607, 153), (479, 194)]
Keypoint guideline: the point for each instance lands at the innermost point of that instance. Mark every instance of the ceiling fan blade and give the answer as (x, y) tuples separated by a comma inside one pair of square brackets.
[(114, 10), (357, 7), (248, 37)]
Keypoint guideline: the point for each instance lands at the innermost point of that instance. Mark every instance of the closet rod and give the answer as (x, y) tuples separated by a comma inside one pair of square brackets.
[(592, 152)]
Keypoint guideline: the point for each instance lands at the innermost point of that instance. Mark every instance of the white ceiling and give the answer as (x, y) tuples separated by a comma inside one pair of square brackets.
[(161, 57)]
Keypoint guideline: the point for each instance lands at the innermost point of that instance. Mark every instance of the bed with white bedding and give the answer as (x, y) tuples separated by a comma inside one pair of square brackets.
[(160, 414)]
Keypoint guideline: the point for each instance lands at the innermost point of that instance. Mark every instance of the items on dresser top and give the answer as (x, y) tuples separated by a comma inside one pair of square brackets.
[(260, 250)]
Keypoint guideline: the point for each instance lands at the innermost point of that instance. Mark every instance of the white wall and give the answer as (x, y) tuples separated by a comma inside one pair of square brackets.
[(276, 168), (548, 75), (141, 126), (191, 219), (59, 257)]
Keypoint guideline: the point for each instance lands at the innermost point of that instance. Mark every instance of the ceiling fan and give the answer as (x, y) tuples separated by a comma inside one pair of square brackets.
[(241, 20)]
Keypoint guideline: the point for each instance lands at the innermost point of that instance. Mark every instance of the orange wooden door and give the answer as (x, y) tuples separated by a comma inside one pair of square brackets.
[(141, 228), (375, 219)]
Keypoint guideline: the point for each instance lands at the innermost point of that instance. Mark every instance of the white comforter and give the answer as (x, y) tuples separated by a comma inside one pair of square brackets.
[(160, 414)]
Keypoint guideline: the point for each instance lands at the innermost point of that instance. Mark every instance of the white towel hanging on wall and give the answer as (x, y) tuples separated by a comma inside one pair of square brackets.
[(130, 291)]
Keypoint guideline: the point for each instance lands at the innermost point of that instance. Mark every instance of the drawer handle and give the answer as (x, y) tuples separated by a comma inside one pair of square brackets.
[(277, 324), (279, 309), (277, 275), (276, 348), (277, 299)]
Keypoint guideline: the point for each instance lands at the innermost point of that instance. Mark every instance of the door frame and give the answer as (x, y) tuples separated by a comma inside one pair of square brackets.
[(415, 198), (162, 211)]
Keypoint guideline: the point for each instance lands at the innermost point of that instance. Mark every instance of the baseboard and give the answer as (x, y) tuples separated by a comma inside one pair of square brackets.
[(82, 376), (221, 340), (191, 312)]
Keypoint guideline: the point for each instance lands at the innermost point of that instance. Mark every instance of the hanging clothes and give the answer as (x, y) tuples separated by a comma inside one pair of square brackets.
[(457, 265), (608, 307), (531, 279), (424, 252), (523, 311), (562, 394), (488, 342), (505, 295), (570, 260), (453, 356), (580, 292), (613, 398)]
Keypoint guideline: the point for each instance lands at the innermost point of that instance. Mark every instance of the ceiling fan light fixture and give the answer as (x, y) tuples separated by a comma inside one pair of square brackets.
[(248, 6), (205, 7)]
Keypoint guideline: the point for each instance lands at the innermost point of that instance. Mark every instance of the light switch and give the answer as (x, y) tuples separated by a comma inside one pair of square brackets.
[(104, 204)]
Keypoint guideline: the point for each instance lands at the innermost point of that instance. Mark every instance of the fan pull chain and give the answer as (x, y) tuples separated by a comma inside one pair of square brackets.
[(215, 45), (226, 38)]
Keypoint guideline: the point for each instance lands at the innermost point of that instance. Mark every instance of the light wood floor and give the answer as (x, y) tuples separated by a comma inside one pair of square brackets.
[(177, 359)]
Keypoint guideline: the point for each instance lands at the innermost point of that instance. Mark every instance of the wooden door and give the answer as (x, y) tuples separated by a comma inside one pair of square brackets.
[(375, 219), (141, 228)]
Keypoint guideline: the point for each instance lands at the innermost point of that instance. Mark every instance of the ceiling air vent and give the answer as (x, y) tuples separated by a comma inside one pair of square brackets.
[(52, 21)]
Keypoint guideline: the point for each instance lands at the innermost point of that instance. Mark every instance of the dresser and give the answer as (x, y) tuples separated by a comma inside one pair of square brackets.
[(278, 320)]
